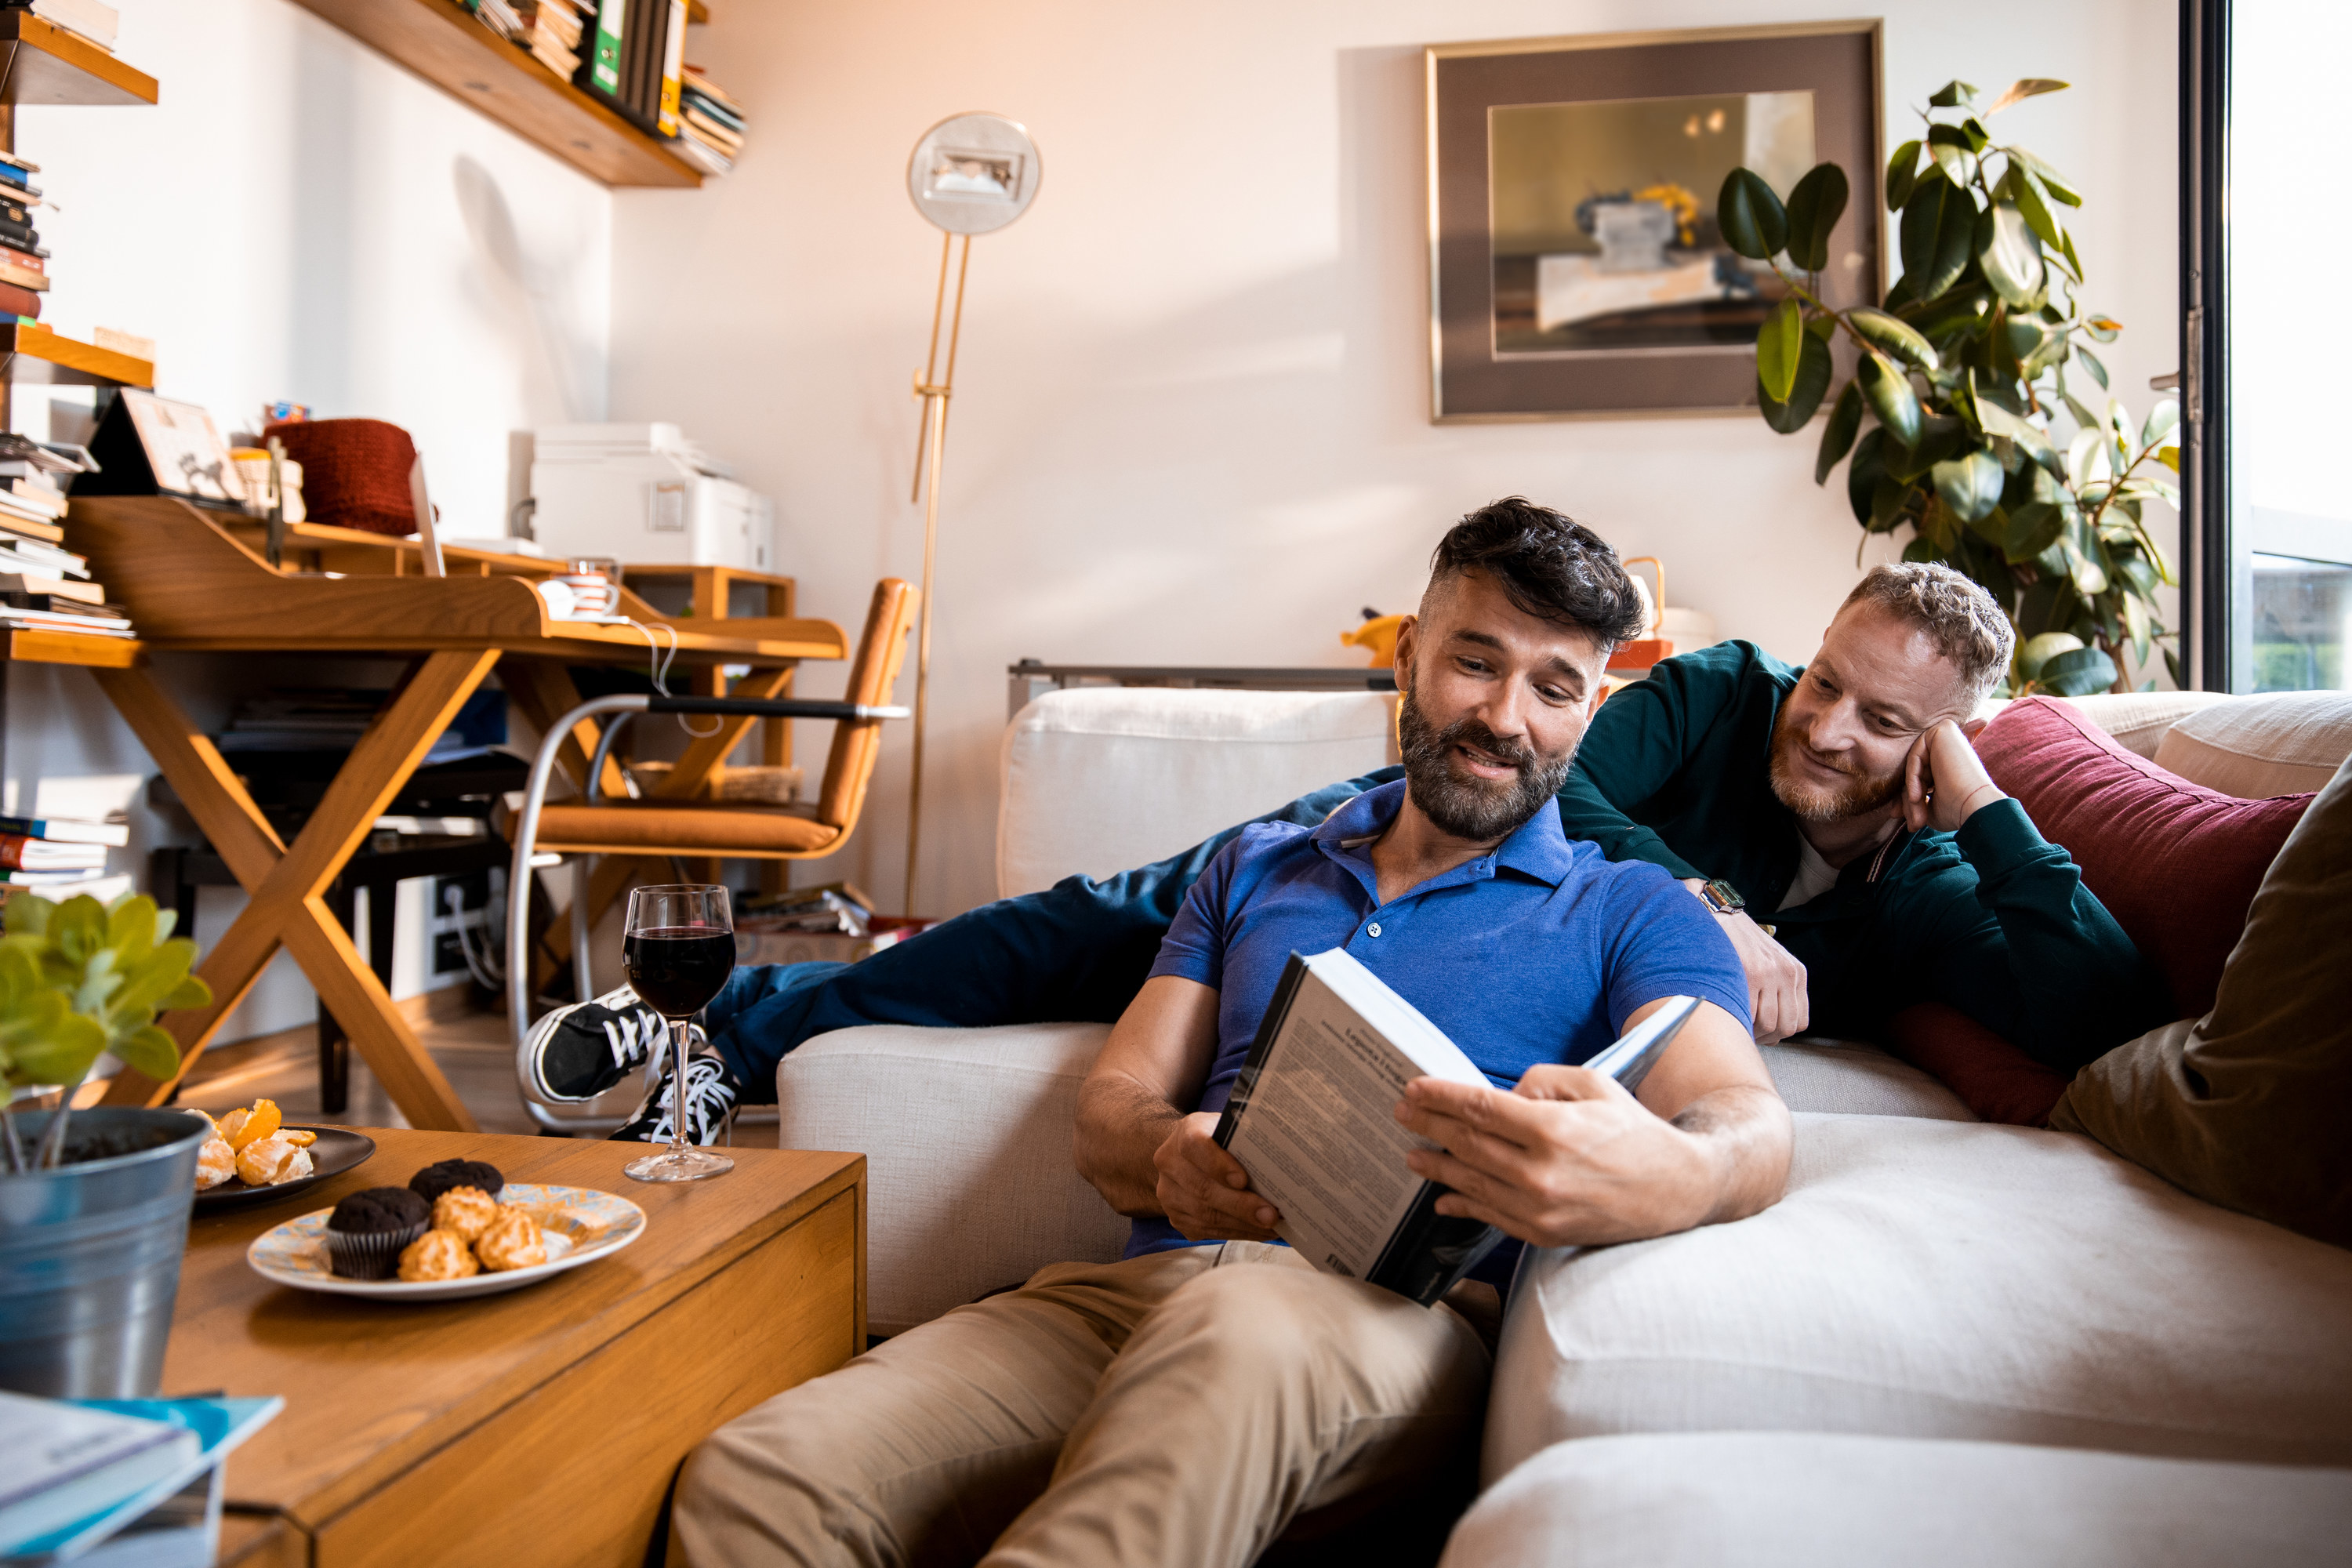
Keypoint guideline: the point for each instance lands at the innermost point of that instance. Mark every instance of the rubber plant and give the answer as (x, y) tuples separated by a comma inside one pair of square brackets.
[(78, 980), (1960, 419)]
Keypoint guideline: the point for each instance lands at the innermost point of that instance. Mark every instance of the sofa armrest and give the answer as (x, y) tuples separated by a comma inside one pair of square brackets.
[(966, 1134)]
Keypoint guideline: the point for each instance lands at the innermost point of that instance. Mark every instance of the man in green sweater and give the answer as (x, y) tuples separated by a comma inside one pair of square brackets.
[(1837, 819)]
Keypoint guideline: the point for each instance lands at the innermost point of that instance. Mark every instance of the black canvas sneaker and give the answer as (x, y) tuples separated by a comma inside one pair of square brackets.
[(579, 1052), (712, 1093)]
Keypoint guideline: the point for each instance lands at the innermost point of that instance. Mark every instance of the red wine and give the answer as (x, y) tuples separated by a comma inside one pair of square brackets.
[(676, 968)]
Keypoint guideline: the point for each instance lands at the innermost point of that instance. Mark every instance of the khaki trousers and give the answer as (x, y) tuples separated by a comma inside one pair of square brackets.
[(1178, 1409)]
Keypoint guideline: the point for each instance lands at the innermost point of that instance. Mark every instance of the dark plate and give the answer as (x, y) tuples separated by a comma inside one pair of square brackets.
[(336, 1152)]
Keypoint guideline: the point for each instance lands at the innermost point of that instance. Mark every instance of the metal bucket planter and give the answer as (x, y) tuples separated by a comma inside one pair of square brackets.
[(89, 1254)]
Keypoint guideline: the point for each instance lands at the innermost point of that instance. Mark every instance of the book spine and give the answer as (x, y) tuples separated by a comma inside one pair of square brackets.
[(15, 301), (673, 69), (604, 64), (1285, 990)]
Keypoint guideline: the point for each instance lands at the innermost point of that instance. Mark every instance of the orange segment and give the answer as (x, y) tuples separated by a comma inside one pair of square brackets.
[(257, 1126), (300, 1138)]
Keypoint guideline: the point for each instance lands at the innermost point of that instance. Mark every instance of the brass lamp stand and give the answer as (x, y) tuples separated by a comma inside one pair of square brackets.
[(972, 173)]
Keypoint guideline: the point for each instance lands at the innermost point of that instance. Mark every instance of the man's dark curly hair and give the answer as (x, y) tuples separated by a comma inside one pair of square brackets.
[(1548, 564)]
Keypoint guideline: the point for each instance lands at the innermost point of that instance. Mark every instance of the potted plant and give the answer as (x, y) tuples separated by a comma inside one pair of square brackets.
[(94, 1205), (1961, 374)]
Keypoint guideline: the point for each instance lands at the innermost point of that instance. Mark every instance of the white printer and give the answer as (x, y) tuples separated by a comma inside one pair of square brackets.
[(644, 493)]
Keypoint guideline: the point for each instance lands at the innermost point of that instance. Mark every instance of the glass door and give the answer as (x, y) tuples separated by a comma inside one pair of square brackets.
[(2272, 538)]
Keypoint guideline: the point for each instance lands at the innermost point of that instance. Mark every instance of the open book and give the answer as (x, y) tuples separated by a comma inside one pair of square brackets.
[(1311, 1119)]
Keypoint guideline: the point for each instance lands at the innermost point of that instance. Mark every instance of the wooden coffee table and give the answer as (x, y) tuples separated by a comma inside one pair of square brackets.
[(540, 1425)]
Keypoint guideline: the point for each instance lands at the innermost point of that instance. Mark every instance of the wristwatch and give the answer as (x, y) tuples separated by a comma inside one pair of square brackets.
[(1722, 897)]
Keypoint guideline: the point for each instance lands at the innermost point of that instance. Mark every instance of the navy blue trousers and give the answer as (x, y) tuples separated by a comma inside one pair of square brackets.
[(1076, 953)]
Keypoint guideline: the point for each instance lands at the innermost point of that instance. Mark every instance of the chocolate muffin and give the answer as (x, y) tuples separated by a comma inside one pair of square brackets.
[(440, 1176), (368, 1229)]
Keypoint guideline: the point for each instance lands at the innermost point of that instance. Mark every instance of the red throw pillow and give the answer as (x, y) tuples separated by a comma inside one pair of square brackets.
[(354, 472), (2175, 863), (1991, 1077)]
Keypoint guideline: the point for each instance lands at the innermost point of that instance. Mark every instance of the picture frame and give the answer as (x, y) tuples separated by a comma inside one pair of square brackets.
[(1574, 270)]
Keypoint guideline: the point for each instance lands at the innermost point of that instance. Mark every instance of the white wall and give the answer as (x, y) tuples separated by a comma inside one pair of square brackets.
[(300, 219), (1191, 422)]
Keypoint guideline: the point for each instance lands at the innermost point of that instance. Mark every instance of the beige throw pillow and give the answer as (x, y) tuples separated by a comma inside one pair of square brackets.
[(2247, 1106), (2257, 747)]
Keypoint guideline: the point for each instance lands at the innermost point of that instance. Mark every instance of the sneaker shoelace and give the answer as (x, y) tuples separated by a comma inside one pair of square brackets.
[(631, 1036), (706, 1103)]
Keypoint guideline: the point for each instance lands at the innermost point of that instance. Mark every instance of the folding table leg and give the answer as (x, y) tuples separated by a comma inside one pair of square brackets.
[(334, 1045)]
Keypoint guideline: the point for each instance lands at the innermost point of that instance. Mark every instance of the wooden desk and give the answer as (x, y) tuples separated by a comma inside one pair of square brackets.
[(198, 581), (543, 1426)]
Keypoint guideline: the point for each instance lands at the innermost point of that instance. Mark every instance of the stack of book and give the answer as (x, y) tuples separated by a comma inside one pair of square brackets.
[(24, 261), (60, 859), (551, 31), (43, 585), (333, 718), (835, 923), (93, 22), (710, 124), (119, 1483)]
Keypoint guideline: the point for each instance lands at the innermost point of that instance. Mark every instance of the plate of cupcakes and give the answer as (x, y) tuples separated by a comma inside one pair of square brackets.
[(458, 1228)]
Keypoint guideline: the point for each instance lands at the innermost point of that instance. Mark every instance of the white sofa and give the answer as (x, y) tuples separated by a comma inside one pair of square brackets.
[(1937, 1303)]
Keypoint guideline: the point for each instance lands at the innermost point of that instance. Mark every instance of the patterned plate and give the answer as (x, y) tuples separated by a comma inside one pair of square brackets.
[(582, 1225)]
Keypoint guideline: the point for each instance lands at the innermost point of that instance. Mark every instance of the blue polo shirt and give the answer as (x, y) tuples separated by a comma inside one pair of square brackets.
[(1536, 953)]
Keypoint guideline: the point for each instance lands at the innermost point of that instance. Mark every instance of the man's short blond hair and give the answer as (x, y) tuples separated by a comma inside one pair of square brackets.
[(1962, 620)]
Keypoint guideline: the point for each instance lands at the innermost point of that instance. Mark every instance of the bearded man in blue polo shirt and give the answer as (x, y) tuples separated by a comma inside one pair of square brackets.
[(1183, 1404)]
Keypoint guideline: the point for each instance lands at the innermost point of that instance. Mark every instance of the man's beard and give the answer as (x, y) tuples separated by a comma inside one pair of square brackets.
[(1859, 796), (1478, 810)]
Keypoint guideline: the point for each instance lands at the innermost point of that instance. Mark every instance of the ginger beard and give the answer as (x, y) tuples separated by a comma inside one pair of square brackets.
[(1813, 800), (1457, 801)]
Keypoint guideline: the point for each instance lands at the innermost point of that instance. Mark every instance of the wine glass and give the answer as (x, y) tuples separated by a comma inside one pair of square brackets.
[(678, 948)]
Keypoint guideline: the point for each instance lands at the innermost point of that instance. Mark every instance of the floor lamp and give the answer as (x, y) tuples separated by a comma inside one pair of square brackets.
[(971, 173)]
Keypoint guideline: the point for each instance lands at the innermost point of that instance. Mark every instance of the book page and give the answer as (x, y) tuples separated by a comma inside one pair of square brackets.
[(1320, 1138)]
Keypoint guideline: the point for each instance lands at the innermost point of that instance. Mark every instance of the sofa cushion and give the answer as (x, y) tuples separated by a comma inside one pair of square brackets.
[(1850, 1079), (2255, 747), (2139, 721), (1805, 1500), (1102, 779), (2245, 1107), (2175, 863), (1944, 1279), (966, 1134)]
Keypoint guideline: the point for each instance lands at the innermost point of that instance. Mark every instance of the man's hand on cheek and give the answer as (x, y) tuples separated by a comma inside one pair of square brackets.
[(1569, 1158), (1204, 1191)]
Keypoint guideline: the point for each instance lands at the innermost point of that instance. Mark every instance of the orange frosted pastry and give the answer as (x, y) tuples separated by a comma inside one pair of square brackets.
[(469, 1211), (271, 1161), (437, 1255), (513, 1241)]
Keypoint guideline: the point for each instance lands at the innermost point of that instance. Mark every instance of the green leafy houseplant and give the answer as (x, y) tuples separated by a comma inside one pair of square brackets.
[(76, 980), (1961, 372)]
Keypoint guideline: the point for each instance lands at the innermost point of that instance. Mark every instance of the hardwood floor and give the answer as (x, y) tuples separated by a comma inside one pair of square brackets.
[(474, 1048)]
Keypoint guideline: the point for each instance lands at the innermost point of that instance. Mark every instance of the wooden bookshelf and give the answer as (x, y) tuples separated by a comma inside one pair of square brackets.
[(46, 65), (34, 352), (448, 48), (73, 647)]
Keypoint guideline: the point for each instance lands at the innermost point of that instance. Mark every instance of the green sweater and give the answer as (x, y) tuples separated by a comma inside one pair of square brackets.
[(1993, 919)]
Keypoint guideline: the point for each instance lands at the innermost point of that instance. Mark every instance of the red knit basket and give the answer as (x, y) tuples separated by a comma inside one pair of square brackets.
[(354, 472)]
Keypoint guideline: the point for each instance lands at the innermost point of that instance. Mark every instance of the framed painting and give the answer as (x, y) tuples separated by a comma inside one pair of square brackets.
[(1574, 264)]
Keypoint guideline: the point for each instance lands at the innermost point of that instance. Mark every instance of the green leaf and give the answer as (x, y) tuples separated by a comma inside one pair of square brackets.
[(1862, 475), (1973, 130), (2060, 188), (2032, 529), (1938, 224), (26, 915), (2078, 673), (1894, 336), (2021, 188), (1811, 380), (1969, 484), (2009, 255), (151, 1051), (2074, 262), (1890, 396), (1751, 216), (1838, 432), (1968, 308), (1953, 94), (1902, 173), (192, 992), (2162, 421), (2034, 652), (1813, 210), (1959, 165), (2103, 328), (2091, 362), (2170, 457), (1776, 349)]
